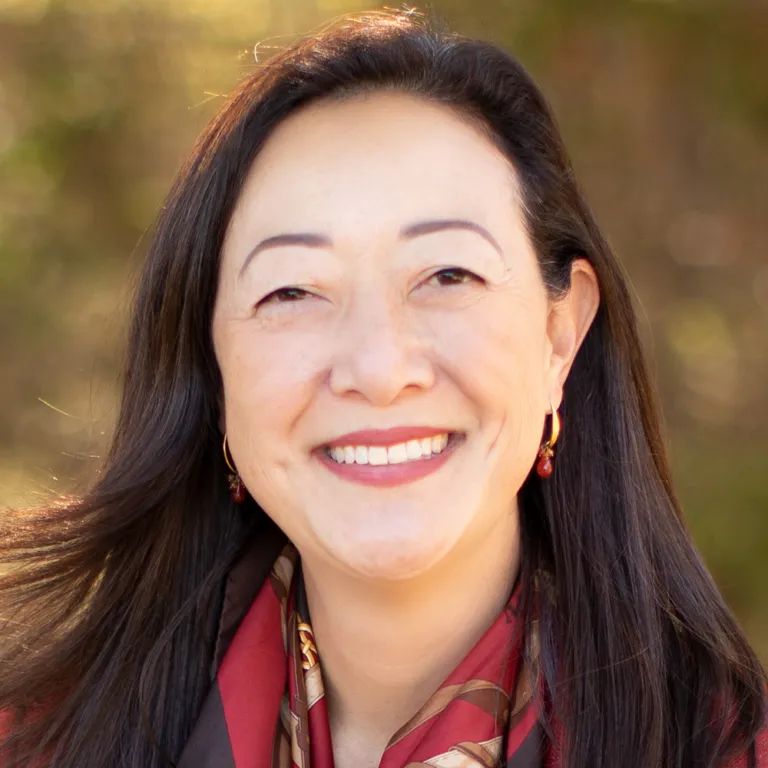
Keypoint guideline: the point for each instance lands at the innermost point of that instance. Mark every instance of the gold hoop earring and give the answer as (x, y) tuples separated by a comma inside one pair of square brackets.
[(544, 466), (236, 487)]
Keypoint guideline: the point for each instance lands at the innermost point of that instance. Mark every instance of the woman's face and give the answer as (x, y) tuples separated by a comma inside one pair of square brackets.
[(384, 335)]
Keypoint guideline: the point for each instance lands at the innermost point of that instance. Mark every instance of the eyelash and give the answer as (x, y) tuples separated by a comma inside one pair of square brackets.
[(285, 295), (291, 294), (464, 276)]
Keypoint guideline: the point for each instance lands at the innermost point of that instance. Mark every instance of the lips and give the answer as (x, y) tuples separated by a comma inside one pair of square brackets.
[(386, 437), (389, 457)]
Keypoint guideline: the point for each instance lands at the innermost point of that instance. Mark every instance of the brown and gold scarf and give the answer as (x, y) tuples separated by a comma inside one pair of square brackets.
[(267, 707)]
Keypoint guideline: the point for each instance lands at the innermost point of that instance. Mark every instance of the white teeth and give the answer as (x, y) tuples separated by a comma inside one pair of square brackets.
[(379, 455), (413, 449), (397, 454), (439, 442)]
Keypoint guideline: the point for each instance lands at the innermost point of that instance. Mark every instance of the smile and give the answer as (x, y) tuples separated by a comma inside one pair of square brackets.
[(389, 457), (399, 453)]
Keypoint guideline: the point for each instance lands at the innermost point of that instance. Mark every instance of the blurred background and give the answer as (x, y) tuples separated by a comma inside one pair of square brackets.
[(664, 106)]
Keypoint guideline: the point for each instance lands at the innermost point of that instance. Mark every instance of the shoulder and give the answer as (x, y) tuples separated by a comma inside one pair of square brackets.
[(761, 747), (760, 754)]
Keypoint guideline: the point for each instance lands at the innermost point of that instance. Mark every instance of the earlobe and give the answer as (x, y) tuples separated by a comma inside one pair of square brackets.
[(570, 318)]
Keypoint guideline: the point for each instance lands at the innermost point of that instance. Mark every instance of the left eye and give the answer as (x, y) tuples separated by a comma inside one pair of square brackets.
[(453, 276), (285, 295)]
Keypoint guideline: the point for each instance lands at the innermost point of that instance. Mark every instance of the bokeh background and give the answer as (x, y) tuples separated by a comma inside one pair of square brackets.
[(664, 106)]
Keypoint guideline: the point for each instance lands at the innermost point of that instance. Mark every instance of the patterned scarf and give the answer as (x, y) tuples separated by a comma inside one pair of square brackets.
[(271, 690), (266, 707)]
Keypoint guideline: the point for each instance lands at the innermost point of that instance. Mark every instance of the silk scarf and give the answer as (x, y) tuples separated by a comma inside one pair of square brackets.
[(271, 692), (265, 707)]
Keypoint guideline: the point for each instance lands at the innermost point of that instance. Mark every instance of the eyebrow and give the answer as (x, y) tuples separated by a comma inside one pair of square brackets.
[(409, 232)]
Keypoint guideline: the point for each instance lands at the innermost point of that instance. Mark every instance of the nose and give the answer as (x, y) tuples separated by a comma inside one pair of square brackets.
[(380, 352)]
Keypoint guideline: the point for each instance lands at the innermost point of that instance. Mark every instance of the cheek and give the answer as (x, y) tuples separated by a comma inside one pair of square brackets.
[(268, 383), (496, 351)]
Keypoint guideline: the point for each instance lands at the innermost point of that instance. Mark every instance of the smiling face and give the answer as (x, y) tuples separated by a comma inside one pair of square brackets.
[(384, 335)]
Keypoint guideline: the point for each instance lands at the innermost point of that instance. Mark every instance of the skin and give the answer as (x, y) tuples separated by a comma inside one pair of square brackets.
[(401, 581)]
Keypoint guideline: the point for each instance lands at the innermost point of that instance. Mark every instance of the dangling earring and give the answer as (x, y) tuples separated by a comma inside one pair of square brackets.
[(236, 487), (544, 466)]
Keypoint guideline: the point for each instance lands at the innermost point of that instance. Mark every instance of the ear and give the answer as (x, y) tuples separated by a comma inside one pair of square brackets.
[(570, 317)]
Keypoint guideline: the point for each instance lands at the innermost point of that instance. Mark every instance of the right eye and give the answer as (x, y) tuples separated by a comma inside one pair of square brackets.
[(453, 276)]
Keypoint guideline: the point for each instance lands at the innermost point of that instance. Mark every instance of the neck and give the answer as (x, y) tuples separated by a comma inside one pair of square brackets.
[(386, 647)]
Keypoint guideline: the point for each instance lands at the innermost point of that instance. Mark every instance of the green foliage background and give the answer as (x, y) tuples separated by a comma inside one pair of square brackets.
[(664, 106)]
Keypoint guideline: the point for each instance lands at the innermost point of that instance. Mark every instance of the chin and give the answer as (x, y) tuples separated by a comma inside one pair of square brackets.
[(389, 559), (394, 540)]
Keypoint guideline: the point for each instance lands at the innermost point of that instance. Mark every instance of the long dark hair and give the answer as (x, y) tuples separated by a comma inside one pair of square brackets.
[(110, 602)]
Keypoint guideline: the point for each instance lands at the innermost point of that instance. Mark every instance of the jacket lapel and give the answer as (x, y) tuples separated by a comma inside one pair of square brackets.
[(209, 745), (530, 753)]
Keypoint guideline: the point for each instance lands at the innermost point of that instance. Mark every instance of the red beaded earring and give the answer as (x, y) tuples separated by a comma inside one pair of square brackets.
[(544, 466), (236, 487)]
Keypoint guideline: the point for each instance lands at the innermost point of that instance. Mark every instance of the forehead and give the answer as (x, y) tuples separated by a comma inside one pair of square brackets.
[(373, 160)]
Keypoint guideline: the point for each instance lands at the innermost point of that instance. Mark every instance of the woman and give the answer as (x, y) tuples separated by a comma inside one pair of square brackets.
[(387, 485)]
